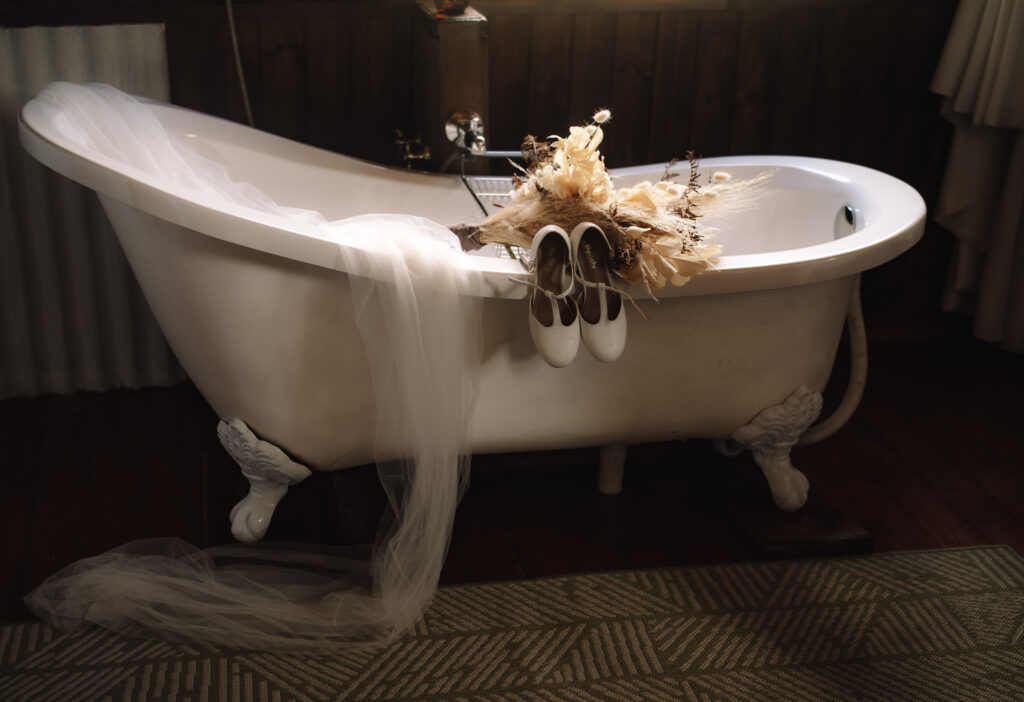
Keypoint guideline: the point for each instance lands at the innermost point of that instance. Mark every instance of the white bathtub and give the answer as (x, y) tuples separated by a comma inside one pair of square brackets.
[(257, 313)]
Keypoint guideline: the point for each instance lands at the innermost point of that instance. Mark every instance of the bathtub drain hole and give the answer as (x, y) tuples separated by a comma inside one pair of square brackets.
[(846, 221)]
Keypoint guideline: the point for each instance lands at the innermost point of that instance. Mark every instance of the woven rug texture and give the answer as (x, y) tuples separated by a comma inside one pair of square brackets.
[(928, 625)]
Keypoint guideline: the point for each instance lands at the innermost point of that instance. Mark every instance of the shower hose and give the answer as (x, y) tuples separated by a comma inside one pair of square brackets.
[(858, 374)]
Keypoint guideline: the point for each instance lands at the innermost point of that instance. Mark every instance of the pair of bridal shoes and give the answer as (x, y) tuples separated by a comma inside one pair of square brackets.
[(558, 320)]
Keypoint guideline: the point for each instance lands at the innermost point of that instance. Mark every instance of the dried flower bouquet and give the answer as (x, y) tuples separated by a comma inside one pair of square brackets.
[(653, 228)]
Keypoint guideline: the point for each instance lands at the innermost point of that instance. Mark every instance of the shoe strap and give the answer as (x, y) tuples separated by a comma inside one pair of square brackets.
[(602, 287), (554, 296)]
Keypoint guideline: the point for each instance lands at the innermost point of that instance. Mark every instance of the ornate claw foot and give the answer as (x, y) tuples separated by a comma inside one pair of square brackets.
[(269, 472), (771, 435)]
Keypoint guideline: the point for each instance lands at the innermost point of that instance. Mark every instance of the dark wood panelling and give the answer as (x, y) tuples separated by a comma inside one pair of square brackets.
[(783, 77), (593, 36), (757, 67), (510, 42), (715, 82), (26, 13), (402, 78), (535, 7), (675, 81), (200, 65), (549, 65), (373, 124), (632, 85), (305, 76), (871, 97), (916, 144), (794, 84), (834, 107), (282, 79), (330, 98)]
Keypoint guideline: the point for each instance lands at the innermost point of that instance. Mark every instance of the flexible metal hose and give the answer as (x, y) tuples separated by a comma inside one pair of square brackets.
[(238, 63), (858, 374)]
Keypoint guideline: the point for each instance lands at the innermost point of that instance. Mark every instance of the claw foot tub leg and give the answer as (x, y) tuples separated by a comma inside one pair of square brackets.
[(269, 472), (771, 435), (610, 470)]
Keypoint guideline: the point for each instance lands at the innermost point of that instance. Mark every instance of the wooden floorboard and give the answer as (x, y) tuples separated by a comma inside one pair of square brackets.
[(836, 471), (931, 459), (18, 505)]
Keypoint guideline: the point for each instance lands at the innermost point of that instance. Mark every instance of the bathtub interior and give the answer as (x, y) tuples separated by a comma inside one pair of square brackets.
[(796, 208)]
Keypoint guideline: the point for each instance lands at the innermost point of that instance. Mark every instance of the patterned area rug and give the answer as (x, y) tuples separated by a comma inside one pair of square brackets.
[(929, 625)]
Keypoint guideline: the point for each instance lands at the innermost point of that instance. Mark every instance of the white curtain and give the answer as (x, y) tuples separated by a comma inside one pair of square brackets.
[(71, 314), (981, 73)]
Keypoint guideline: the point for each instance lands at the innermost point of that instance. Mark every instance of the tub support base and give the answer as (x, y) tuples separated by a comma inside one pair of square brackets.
[(771, 435), (269, 471), (610, 469)]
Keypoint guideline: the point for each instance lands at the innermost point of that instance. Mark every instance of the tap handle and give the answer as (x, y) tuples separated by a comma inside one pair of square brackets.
[(465, 129)]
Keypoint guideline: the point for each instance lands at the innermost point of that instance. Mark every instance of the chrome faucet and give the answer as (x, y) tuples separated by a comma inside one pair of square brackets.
[(465, 130)]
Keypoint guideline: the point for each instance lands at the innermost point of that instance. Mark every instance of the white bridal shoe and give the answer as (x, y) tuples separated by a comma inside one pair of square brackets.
[(601, 312), (554, 320)]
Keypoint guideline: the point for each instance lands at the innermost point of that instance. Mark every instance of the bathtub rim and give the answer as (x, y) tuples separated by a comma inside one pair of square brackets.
[(891, 232)]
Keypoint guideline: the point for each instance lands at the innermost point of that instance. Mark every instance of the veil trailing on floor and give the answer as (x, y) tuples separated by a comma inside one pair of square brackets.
[(421, 330)]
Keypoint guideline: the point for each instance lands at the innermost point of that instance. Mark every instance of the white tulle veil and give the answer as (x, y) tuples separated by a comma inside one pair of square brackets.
[(421, 330)]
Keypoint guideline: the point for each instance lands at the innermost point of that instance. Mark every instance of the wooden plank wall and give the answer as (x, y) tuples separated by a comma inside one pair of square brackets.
[(333, 74), (833, 79), (338, 80), (844, 79)]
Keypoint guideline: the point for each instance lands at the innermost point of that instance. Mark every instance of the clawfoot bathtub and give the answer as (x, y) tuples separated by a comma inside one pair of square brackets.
[(256, 309)]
